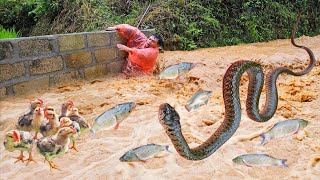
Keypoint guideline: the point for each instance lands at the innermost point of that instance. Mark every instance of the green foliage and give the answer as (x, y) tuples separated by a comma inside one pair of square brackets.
[(184, 24), (8, 33), (15, 13), (202, 23)]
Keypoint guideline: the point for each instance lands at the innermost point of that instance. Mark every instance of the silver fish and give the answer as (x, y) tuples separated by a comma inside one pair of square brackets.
[(198, 99), (143, 153), (113, 116), (176, 70), (259, 160), (283, 129)]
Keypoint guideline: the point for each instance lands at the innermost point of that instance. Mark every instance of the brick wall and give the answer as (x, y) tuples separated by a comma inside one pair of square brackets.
[(31, 63)]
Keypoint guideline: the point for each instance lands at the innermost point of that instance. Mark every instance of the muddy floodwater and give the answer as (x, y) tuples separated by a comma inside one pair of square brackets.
[(98, 156)]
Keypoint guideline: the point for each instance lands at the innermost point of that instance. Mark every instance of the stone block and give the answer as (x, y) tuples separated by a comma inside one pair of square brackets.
[(95, 71), (46, 65), (71, 42), (77, 60), (10, 71), (115, 67), (117, 39), (3, 92), (65, 78), (123, 54), (31, 86), (99, 39), (34, 47), (105, 54), (6, 50)]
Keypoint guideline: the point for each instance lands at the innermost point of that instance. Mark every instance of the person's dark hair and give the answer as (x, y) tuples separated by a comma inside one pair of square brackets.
[(160, 40)]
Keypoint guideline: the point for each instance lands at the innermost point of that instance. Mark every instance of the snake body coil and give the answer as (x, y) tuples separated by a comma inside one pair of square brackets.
[(170, 119)]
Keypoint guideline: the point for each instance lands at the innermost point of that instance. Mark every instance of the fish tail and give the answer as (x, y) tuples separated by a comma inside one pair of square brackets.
[(283, 162), (264, 139), (188, 107), (194, 65)]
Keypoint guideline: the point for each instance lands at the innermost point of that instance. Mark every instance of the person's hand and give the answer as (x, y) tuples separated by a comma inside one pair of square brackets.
[(113, 28), (123, 47)]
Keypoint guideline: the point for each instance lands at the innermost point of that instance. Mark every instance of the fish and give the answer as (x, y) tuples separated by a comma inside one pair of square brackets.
[(259, 160), (198, 99), (283, 129), (143, 153), (113, 116), (176, 70)]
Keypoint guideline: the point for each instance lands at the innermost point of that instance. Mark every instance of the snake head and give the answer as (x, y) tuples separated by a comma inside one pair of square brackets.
[(168, 117)]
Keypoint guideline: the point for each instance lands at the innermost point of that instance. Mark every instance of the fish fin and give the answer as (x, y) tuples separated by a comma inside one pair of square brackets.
[(197, 106), (117, 125), (297, 130), (244, 162), (188, 107), (264, 139), (283, 163), (93, 133), (167, 149), (206, 102)]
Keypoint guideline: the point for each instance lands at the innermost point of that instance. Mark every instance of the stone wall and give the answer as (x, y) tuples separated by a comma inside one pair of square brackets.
[(31, 63)]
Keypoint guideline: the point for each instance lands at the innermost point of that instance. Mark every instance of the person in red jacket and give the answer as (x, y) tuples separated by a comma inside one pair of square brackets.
[(143, 51)]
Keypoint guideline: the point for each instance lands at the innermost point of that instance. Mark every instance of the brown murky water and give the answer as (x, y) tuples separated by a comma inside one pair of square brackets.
[(98, 157)]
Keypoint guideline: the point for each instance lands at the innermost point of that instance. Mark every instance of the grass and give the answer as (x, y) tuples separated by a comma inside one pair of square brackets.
[(8, 33)]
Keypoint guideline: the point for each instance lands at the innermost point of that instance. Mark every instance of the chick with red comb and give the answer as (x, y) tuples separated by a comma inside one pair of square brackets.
[(16, 140), (56, 145)]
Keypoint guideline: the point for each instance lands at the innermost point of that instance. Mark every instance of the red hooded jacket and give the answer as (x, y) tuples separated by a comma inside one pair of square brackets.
[(142, 58)]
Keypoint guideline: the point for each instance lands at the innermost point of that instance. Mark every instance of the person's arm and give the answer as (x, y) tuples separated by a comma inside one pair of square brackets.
[(113, 28), (124, 48)]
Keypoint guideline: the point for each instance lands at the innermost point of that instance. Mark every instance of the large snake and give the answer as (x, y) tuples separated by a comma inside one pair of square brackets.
[(170, 119)]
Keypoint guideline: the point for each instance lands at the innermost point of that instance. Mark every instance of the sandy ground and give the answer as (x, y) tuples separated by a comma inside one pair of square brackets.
[(98, 158)]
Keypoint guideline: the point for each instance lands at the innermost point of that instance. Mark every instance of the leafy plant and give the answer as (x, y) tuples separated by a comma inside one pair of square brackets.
[(8, 33), (185, 25)]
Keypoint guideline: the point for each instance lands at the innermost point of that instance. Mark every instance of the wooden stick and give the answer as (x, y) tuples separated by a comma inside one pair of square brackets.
[(145, 12)]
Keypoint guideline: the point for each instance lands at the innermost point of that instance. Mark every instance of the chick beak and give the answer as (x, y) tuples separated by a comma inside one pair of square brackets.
[(45, 113), (39, 111)]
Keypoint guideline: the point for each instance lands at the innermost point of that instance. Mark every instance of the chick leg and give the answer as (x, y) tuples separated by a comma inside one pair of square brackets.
[(36, 136), (30, 159), (52, 166), (20, 158), (74, 146)]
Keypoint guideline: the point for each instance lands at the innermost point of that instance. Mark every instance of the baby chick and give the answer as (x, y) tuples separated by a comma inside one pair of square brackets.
[(21, 141), (65, 109), (51, 126), (56, 145), (75, 116), (24, 121), (65, 122)]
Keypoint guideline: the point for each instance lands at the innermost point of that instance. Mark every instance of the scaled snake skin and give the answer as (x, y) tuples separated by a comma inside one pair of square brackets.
[(170, 119)]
